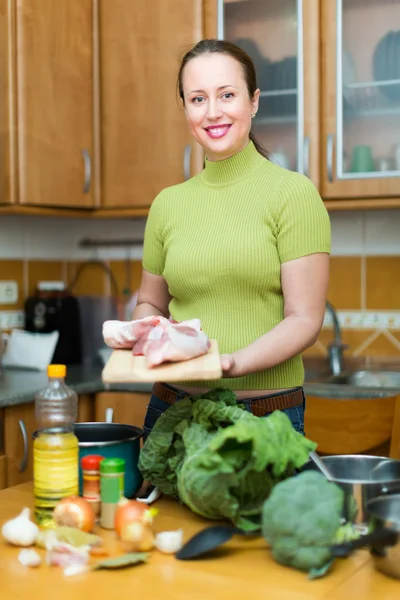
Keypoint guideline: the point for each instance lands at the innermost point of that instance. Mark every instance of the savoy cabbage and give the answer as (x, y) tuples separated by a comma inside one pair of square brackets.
[(220, 460)]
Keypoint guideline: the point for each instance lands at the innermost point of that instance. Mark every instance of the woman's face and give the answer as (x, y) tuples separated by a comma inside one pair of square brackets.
[(217, 104)]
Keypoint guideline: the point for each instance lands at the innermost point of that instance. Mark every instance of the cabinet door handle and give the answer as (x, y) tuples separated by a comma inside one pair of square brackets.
[(306, 156), (88, 171), (186, 161), (109, 415), (329, 156), (24, 460)]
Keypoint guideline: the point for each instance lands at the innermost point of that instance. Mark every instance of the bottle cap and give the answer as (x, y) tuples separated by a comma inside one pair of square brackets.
[(91, 462), (56, 370), (112, 465)]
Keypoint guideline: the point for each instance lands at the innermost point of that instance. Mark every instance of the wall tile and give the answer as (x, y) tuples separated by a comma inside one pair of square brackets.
[(12, 237), (347, 233), (345, 282), (40, 270), (383, 282), (124, 279), (382, 232), (93, 280), (316, 349), (13, 270), (380, 346), (50, 238), (42, 238), (353, 338)]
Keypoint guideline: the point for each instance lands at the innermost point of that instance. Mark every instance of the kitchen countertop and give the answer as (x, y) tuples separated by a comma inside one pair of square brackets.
[(18, 386), (242, 569)]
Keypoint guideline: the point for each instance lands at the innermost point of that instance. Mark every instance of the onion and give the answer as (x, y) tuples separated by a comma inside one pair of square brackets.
[(131, 511), (137, 537), (74, 511)]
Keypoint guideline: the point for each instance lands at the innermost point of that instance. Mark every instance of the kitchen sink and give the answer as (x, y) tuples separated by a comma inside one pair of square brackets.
[(367, 379)]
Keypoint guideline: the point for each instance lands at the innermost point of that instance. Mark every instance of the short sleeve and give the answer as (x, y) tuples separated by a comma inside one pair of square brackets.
[(153, 251), (302, 221)]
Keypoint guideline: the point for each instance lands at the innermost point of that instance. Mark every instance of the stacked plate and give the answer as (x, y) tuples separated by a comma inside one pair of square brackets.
[(386, 64)]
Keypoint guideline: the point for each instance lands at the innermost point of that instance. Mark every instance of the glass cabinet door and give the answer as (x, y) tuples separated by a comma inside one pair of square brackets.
[(368, 89), (271, 32)]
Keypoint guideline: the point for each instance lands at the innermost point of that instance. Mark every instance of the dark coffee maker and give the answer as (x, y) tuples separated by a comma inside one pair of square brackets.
[(57, 311)]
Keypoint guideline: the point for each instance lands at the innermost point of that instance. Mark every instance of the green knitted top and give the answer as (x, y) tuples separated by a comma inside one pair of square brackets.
[(219, 240)]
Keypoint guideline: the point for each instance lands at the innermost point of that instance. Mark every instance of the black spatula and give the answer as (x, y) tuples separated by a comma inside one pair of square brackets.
[(207, 540)]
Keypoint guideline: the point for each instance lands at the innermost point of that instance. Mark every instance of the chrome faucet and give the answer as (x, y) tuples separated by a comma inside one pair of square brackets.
[(336, 347)]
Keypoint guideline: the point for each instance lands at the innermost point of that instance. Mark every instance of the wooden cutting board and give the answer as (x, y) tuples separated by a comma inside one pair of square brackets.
[(123, 367)]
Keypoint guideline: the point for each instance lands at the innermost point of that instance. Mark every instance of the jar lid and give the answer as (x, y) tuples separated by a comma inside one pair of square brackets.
[(91, 462), (112, 465), (56, 370)]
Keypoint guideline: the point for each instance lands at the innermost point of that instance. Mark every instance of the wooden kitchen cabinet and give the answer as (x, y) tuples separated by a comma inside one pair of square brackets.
[(349, 146), (55, 102), (19, 425), (7, 112), (86, 408), (128, 408), (145, 141), (3, 471), (360, 119), (282, 38)]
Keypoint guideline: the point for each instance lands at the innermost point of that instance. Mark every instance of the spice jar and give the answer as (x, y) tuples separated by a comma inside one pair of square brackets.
[(91, 481), (112, 472)]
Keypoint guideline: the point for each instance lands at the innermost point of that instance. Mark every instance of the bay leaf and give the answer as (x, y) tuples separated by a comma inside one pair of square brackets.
[(69, 535), (125, 560)]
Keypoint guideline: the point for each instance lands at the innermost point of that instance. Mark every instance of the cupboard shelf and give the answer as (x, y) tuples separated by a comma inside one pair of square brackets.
[(272, 93), (276, 120), (372, 84), (373, 112)]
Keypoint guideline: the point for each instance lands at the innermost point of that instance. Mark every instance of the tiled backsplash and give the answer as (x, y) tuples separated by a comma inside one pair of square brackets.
[(364, 281), (46, 238), (34, 249)]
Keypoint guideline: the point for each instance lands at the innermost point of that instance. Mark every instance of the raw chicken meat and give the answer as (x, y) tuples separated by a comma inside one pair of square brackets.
[(124, 334), (159, 339), (176, 344)]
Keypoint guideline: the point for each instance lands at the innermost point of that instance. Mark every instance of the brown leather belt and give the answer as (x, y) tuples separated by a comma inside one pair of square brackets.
[(259, 405)]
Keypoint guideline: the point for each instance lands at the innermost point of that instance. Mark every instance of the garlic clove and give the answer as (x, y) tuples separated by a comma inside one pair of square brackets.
[(20, 531), (169, 542), (29, 558), (75, 569)]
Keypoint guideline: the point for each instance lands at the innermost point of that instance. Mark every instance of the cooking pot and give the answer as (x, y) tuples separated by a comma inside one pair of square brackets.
[(362, 478), (111, 440), (383, 515)]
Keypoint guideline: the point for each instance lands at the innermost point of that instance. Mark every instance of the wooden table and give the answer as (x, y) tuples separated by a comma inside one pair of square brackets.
[(243, 569)]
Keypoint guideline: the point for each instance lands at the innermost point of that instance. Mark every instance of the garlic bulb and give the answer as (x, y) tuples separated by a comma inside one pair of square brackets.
[(20, 531), (169, 542), (29, 558)]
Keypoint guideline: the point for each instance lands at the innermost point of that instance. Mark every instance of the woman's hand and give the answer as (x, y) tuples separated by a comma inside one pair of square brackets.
[(229, 365)]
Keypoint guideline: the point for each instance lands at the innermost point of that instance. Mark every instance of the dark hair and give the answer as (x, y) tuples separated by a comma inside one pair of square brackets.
[(212, 46)]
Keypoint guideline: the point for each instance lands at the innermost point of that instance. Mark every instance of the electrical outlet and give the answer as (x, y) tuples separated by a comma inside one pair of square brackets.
[(11, 318), (8, 292)]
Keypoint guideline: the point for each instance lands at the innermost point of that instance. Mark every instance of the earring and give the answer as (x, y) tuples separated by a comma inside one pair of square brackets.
[(252, 116)]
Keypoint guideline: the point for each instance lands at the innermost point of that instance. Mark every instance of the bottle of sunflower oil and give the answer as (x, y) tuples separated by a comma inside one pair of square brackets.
[(55, 449)]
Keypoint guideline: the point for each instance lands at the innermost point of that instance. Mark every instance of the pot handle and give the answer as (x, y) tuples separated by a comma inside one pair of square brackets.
[(24, 460), (390, 488), (379, 537), (109, 415)]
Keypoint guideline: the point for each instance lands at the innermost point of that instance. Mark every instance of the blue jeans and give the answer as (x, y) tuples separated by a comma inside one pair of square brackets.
[(156, 408)]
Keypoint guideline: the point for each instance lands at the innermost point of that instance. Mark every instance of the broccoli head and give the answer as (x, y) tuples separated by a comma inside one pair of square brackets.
[(301, 518)]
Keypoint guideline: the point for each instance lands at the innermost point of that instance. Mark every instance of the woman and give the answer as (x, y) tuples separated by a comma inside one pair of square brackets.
[(243, 246)]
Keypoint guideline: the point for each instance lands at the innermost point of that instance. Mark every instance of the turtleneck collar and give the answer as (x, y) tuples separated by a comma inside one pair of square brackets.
[(232, 169)]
